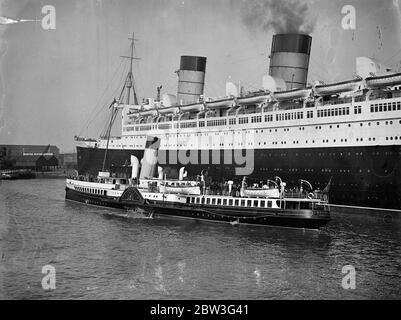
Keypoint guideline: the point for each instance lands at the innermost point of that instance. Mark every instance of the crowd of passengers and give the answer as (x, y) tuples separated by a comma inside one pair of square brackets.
[(223, 188)]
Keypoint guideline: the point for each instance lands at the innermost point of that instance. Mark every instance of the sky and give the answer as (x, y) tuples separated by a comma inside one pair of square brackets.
[(55, 84)]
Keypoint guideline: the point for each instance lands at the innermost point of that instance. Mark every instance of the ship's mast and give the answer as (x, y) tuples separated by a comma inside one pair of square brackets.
[(114, 112), (129, 84)]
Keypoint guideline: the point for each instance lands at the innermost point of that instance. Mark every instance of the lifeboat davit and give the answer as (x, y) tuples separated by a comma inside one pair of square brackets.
[(335, 88), (293, 94), (384, 81)]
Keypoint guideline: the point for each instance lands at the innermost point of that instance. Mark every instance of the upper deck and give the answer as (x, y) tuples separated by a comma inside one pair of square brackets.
[(361, 116)]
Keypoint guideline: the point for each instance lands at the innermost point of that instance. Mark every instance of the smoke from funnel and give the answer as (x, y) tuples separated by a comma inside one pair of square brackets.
[(280, 16)]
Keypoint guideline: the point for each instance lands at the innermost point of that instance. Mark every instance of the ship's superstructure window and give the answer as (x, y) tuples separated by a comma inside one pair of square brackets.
[(333, 112), (243, 120), (145, 128), (256, 119), (232, 121), (188, 125), (357, 109), (269, 118), (383, 107), (220, 122), (286, 116), (309, 114)]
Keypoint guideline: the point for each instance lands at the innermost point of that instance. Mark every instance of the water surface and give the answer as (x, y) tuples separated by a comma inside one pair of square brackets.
[(100, 255)]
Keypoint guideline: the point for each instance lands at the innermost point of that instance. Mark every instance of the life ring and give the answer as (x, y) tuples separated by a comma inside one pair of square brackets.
[(310, 195)]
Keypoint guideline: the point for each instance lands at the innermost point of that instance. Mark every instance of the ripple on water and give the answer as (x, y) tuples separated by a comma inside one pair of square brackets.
[(103, 253)]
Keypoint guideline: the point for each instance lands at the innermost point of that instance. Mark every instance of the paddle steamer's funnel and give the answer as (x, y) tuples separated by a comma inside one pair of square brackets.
[(289, 59), (149, 160), (191, 79)]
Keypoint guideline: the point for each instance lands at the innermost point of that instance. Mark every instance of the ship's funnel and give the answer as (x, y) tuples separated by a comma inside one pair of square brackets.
[(135, 167), (160, 172), (289, 59), (191, 79), (182, 174), (149, 161)]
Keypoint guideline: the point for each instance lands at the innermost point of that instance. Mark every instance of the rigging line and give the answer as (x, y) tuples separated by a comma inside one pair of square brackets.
[(211, 86), (254, 78), (105, 91), (257, 84), (98, 104), (321, 67), (215, 89), (102, 109), (244, 59), (120, 65), (392, 57)]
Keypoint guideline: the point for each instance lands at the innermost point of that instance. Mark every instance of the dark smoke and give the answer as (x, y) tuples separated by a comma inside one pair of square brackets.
[(280, 16)]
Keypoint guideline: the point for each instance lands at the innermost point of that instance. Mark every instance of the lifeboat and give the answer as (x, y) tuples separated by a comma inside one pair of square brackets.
[(180, 187), (192, 107), (335, 88), (133, 114), (168, 110), (222, 103), (293, 94), (384, 81), (254, 99), (146, 113), (261, 192)]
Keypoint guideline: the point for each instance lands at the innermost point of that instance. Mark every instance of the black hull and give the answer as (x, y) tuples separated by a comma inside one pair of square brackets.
[(361, 176), (275, 217), (92, 199)]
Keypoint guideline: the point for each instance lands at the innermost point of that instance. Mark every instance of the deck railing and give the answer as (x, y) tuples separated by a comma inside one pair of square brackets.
[(318, 195)]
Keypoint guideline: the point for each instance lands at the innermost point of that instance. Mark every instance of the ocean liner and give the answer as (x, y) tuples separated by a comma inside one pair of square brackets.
[(348, 133)]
